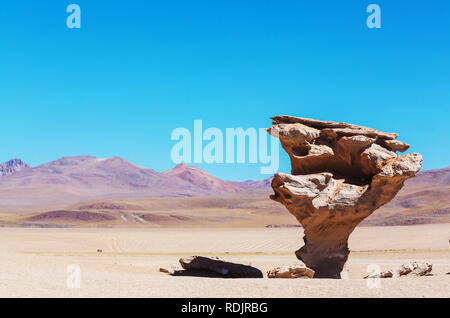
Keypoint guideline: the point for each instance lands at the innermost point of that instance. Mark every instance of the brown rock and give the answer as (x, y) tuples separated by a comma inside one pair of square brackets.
[(292, 271), (225, 269), (165, 270), (340, 174)]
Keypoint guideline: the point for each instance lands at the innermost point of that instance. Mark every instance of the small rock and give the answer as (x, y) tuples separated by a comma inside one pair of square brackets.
[(164, 270), (405, 269), (422, 269), (292, 271), (385, 274)]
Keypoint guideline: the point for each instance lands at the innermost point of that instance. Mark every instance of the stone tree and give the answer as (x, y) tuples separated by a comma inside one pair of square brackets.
[(340, 174)]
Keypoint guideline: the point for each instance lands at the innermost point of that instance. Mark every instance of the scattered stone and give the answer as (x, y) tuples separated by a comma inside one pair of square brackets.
[(422, 269), (292, 271), (412, 268), (404, 269), (386, 274), (222, 268), (164, 270), (340, 174)]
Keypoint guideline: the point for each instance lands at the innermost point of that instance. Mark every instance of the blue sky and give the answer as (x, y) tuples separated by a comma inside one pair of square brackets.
[(138, 69)]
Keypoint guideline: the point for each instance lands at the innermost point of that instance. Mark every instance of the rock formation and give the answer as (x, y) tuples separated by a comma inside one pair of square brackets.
[(340, 174)]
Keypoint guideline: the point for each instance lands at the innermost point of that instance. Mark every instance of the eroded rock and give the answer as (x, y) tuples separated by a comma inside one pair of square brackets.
[(292, 271), (340, 174)]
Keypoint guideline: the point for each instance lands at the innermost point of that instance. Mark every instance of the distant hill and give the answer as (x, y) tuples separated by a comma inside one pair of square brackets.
[(424, 199), (72, 190), (75, 179), (12, 166), (205, 181)]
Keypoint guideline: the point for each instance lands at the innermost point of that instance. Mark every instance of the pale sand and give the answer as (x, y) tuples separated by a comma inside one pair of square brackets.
[(33, 262)]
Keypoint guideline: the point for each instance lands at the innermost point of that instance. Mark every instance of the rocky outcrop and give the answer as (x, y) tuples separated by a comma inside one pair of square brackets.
[(222, 268), (292, 271), (340, 174), (12, 166)]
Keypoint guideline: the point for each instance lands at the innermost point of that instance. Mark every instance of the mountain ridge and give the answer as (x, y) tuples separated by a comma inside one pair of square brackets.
[(73, 179)]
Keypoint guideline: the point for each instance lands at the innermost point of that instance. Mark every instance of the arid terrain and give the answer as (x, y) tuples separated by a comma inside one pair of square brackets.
[(120, 223), (34, 262), (248, 208), (90, 192)]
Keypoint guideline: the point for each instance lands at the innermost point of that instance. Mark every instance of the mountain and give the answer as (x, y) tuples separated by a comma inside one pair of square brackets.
[(12, 166), (205, 181), (74, 179), (202, 180), (438, 177), (71, 180), (424, 199), (114, 184)]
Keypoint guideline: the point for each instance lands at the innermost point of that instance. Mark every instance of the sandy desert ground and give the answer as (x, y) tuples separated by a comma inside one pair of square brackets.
[(34, 262)]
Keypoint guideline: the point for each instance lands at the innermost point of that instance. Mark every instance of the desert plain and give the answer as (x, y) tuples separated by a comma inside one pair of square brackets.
[(34, 262), (110, 219)]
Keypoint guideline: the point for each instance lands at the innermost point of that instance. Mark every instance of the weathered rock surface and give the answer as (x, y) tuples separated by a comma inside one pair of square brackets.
[(340, 174), (224, 269), (292, 271)]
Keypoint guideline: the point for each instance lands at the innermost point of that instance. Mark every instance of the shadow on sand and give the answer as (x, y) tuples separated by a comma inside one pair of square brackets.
[(245, 272)]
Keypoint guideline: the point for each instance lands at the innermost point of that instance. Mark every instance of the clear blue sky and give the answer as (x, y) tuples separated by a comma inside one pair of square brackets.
[(138, 69)]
